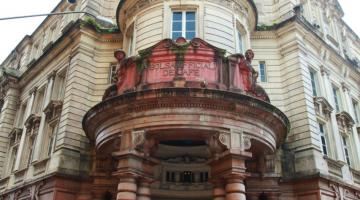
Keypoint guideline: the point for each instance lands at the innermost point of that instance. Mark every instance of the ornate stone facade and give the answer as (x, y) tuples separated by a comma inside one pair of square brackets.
[(126, 113)]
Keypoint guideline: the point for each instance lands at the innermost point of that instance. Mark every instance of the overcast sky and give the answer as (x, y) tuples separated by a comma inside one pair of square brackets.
[(12, 31)]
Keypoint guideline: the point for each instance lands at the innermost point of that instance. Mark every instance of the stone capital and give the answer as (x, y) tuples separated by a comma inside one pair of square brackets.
[(51, 75), (345, 87), (33, 90), (324, 71)]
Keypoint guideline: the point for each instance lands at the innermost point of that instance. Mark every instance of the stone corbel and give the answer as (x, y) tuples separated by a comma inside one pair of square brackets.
[(239, 140), (141, 143), (32, 122), (52, 75), (53, 109), (324, 71), (219, 142), (345, 87), (345, 121), (324, 107)]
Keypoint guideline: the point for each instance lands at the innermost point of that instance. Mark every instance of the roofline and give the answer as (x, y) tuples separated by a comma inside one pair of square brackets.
[(306, 24), (30, 36), (122, 2)]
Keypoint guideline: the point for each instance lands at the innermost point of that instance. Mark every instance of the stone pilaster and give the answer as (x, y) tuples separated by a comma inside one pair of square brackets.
[(10, 100)]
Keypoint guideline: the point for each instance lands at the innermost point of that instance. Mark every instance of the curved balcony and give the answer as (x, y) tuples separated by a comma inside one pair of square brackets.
[(181, 103), (188, 90)]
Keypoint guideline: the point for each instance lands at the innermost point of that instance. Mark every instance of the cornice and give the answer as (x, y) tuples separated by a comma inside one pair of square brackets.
[(313, 36)]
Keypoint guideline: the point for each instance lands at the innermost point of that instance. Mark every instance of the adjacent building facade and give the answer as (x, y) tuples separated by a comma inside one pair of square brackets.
[(167, 104)]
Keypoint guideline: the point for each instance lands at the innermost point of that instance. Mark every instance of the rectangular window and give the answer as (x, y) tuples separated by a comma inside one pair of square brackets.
[(240, 42), (346, 151), (13, 157), (39, 102), (51, 138), (21, 117), (356, 111), (337, 99), (183, 25), (323, 139), (30, 150), (59, 86), (262, 68), (112, 74), (313, 82)]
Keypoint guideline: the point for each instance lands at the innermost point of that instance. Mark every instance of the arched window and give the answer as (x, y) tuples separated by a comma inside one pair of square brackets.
[(240, 38)]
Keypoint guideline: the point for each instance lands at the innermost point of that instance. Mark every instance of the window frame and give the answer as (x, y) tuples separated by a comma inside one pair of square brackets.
[(323, 138), (355, 105), (263, 75), (183, 23), (337, 98), (346, 149), (112, 73), (314, 82)]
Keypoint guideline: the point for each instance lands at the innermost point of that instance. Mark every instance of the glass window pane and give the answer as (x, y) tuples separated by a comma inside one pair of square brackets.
[(176, 35), (177, 16), (190, 26), (190, 16), (190, 35), (177, 26)]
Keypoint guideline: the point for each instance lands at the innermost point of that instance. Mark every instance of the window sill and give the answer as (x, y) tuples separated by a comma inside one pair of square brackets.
[(40, 166), (334, 166), (20, 175), (3, 182), (356, 175)]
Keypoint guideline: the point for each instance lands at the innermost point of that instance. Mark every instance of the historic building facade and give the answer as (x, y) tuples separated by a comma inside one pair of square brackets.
[(170, 103)]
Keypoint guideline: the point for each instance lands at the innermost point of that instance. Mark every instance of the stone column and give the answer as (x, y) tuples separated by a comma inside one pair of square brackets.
[(134, 164), (235, 188), (126, 189), (41, 133), (230, 167), (219, 192), (143, 191)]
